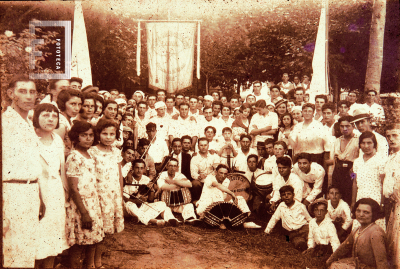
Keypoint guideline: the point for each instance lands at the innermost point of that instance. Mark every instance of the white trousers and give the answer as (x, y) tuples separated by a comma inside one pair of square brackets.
[(148, 211), (187, 211)]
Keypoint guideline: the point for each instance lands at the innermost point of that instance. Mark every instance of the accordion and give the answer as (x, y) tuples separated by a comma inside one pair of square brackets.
[(216, 213), (176, 197)]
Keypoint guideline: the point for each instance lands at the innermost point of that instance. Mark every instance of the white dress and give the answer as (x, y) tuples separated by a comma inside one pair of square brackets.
[(52, 239)]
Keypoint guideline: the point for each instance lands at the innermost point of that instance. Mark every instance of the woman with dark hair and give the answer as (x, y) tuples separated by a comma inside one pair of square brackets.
[(285, 128), (368, 173), (225, 119), (241, 124), (366, 243), (53, 187), (69, 103), (89, 107), (86, 225)]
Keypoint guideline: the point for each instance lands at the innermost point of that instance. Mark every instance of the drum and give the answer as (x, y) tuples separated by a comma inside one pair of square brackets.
[(239, 185), (176, 197), (217, 212)]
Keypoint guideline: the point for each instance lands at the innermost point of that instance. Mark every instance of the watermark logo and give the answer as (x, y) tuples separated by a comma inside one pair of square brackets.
[(62, 55)]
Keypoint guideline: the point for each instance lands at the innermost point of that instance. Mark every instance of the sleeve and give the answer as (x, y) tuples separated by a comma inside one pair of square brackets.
[(317, 189), (152, 168), (298, 186), (274, 121), (253, 123), (326, 138), (311, 242), (346, 215), (73, 166), (161, 181), (305, 212), (379, 249), (274, 219), (275, 186), (194, 171), (335, 243), (343, 250), (293, 136)]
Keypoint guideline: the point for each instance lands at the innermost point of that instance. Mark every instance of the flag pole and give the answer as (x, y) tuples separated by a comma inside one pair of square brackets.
[(138, 50), (198, 50), (327, 90)]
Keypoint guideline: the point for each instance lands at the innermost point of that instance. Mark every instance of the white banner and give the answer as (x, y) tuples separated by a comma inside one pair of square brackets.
[(80, 66), (319, 82), (170, 53)]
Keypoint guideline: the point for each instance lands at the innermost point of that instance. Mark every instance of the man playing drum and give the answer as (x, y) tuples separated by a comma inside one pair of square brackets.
[(171, 181)]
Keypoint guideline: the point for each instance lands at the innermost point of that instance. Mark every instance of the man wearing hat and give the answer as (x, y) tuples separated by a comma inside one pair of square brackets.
[(162, 121), (362, 119), (322, 231), (373, 108), (208, 99), (138, 96)]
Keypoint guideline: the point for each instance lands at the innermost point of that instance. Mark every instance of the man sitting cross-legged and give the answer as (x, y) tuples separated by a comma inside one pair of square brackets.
[(170, 181), (143, 207), (294, 216)]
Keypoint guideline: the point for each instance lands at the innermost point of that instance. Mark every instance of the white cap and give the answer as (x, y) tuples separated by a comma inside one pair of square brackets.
[(159, 104)]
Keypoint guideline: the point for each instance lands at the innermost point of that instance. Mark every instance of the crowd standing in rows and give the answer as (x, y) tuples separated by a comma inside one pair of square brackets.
[(79, 162)]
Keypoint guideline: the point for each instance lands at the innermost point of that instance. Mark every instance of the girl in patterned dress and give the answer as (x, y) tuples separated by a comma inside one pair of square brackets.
[(109, 178), (85, 215)]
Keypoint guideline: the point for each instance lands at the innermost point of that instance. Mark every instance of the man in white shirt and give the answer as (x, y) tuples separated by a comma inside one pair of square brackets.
[(184, 125), (171, 111), (151, 111), (240, 161), (172, 180), (260, 185), (201, 166), (22, 166), (258, 92), (264, 124), (208, 120), (312, 175), (141, 119), (162, 121), (158, 148), (285, 84), (285, 177), (373, 108), (352, 98), (362, 119), (294, 216), (193, 110)]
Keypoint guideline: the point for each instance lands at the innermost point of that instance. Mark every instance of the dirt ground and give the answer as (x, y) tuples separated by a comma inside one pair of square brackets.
[(140, 246)]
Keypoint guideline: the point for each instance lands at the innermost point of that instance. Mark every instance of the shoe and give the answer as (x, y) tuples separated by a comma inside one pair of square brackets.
[(222, 226), (193, 221), (173, 222), (251, 225), (160, 223)]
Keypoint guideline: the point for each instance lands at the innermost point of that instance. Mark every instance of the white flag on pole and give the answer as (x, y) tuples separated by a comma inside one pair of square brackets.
[(319, 82), (80, 66), (170, 52)]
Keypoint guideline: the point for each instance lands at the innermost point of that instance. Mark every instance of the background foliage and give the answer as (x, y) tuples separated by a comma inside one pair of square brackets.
[(236, 45)]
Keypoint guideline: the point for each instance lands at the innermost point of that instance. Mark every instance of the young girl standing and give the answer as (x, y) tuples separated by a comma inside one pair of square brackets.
[(53, 187), (87, 229), (109, 178)]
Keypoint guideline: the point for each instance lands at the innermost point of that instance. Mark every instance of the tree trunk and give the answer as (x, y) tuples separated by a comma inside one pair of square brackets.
[(206, 84), (375, 54)]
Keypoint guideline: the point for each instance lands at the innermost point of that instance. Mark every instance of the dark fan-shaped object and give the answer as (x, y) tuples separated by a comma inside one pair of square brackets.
[(217, 212)]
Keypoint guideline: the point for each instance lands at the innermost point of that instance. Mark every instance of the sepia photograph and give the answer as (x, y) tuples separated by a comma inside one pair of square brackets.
[(200, 134)]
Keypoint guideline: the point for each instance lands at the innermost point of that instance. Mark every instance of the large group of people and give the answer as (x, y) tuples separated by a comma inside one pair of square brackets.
[(80, 162)]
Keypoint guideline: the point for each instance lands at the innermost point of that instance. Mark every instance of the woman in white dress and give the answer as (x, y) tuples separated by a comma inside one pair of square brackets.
[(53, 187), (368, 174)]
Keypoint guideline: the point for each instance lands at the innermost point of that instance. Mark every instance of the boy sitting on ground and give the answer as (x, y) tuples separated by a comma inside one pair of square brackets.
[(340, 213), (322, 232), (294, 216)]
